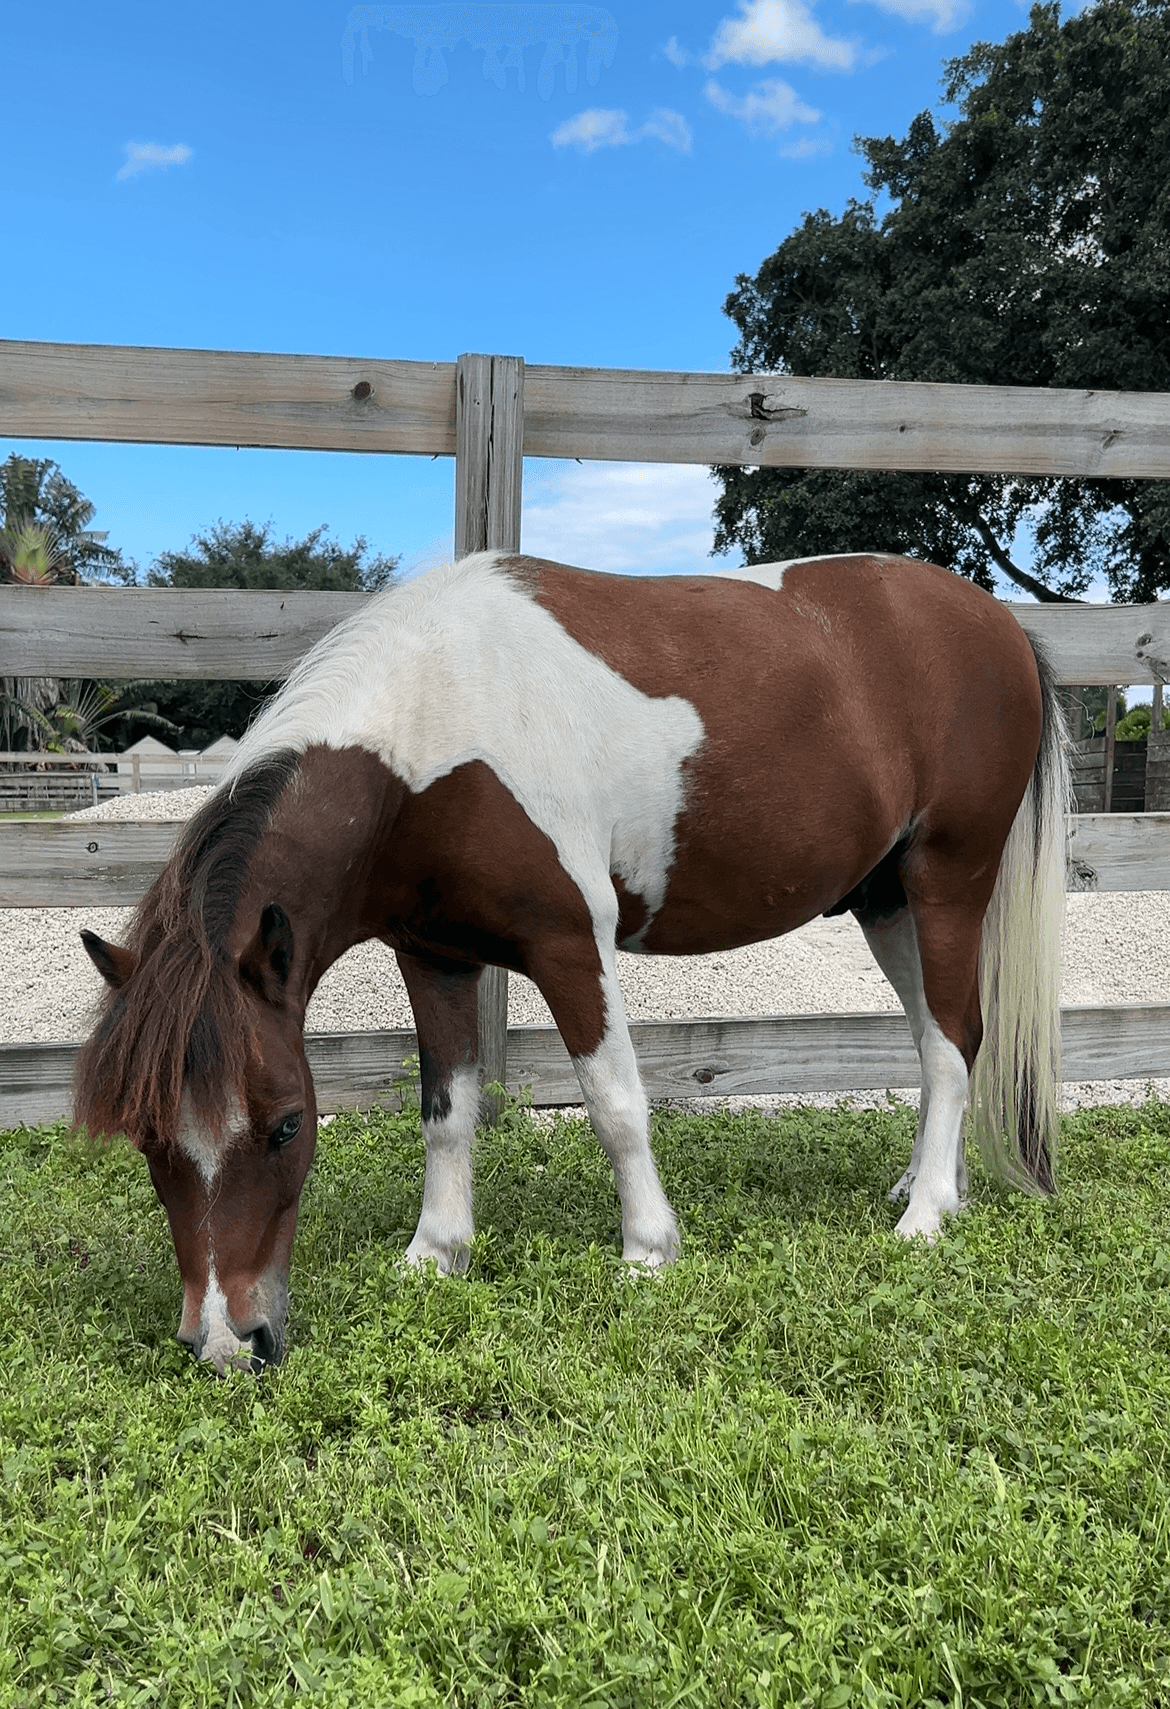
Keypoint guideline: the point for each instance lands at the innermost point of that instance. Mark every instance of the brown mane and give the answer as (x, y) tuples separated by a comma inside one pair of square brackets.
[(177, 1023)]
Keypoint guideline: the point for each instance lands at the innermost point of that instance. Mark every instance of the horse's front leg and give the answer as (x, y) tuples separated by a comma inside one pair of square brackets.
[(444, 998), (582, 990)]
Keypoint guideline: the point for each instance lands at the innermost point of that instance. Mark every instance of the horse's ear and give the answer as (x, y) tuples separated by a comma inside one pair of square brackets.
[(268, 958), (114, 963)]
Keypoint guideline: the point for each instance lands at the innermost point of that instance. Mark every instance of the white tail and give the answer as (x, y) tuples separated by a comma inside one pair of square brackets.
[(1015, 1084)]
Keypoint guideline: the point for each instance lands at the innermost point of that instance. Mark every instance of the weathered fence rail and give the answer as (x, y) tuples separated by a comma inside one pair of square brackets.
[(110, 863), (799, 1054), (343, 403), (490, 412), (167, 633)]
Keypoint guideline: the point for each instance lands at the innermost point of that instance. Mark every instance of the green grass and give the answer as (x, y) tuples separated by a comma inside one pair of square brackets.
[(810, 1465)]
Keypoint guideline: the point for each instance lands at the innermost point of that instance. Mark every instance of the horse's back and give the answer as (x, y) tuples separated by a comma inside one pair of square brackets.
[(843, 701)]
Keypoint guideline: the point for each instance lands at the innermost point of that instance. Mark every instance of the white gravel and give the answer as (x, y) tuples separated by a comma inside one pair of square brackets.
[(1117, 950)]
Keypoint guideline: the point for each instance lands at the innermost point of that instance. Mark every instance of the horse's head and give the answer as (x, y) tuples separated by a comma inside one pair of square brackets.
[(199, 1059)]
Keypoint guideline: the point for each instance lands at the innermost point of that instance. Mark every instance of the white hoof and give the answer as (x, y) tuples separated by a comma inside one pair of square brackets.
[(450, 1257), (924, 1220), (652, 1252)]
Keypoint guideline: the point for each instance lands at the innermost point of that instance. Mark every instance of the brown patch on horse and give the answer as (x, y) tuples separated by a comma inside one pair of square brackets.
[(472, 880), (775, 668), (178, 1021)]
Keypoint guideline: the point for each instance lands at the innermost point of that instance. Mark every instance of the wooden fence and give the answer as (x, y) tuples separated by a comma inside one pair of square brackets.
[(490, 412), (48, 783)]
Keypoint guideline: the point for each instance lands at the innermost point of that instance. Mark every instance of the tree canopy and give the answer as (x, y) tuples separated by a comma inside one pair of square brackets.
[(244, 555), (1023, 242)]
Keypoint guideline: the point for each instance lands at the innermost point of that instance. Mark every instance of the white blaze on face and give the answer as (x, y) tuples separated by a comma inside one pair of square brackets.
[(219, 1342), (205, 1151)]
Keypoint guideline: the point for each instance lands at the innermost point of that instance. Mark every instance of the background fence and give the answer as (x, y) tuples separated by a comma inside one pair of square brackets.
[(489, 412)]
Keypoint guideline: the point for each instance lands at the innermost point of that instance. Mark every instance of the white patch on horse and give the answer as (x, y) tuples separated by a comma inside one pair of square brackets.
[(772, 575), (446, 1223), (205, 1151), (464, 664), (219, 1343)]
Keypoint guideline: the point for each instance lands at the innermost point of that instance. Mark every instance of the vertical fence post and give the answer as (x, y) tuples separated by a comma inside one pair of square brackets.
[(1157, 757), (1110, 745), (489, 467)]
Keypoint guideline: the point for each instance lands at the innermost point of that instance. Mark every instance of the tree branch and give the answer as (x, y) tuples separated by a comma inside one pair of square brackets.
[(1038, 589)]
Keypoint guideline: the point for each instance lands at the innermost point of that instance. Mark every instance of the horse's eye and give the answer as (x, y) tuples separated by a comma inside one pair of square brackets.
[(288, 1129)]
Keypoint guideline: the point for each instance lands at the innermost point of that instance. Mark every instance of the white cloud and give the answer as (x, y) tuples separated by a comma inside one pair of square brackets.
[(597, 127), (768, 30), (141, 156), (630, 518), (668, 127), (769, 107), (941, 14), (677, 55), (600, 127)]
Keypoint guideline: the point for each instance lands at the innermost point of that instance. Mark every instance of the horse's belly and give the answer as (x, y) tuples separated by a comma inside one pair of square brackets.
[(690, 928), (765, 875), (718, 905)]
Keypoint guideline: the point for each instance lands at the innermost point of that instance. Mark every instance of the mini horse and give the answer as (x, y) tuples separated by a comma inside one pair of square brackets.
[(512, 762)]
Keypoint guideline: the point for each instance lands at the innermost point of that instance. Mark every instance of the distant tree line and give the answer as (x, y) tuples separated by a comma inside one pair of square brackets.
[(45, 540)]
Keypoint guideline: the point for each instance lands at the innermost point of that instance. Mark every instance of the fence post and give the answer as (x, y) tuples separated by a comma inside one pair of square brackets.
[(1110, 745), (1157, 757), (489, 468)]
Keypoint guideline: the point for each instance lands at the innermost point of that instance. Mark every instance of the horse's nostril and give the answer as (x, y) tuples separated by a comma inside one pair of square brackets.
[(264, 1346)]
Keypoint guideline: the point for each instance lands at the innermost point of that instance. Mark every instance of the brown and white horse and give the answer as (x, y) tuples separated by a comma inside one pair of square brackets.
[(512, 762)]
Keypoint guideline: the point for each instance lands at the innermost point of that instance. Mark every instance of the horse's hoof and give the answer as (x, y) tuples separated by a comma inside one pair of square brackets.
[(651, 1254), (924, 1220), (449, 1260)]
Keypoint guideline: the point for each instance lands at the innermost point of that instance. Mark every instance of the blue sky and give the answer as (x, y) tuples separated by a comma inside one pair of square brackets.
[(447, 178)]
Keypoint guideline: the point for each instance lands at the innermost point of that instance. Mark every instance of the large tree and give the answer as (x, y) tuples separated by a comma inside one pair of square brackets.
[(1024, 241), (244, 555)]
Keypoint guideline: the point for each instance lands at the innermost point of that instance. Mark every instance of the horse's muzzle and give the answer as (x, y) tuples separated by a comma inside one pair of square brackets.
[(249, 1346)]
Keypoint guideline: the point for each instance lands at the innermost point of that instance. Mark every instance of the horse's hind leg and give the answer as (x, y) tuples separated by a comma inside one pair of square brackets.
[(936, 1180), (445, 1004), (894, 944)]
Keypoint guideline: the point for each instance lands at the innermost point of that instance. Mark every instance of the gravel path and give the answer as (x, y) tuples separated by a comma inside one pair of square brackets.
[(1117, 950)]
